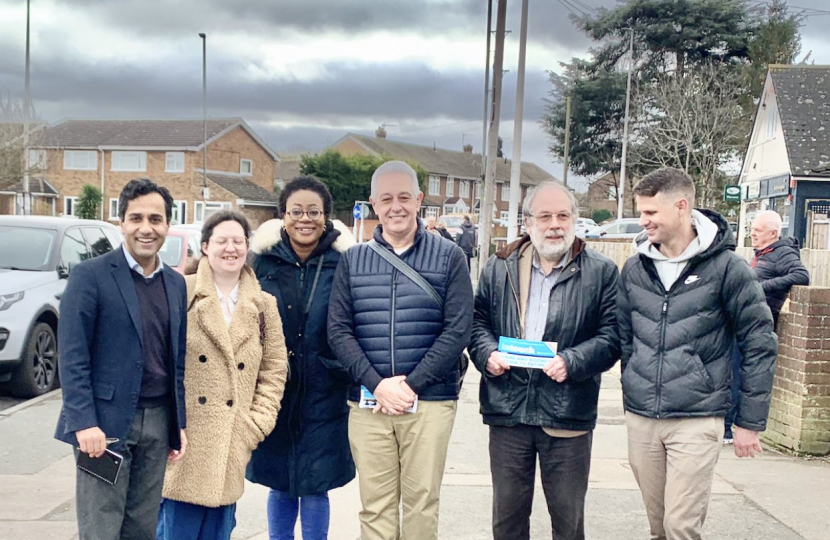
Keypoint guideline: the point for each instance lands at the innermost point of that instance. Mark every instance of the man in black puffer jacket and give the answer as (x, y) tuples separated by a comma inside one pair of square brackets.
[(682, 302), (776, 262)]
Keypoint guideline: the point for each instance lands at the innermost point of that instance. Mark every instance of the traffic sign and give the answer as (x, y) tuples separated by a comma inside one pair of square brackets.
[(356, 211), (732, 193)]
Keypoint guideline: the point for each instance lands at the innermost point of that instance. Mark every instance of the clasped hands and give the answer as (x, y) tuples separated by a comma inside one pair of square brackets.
[(556, 369), (394, 396)]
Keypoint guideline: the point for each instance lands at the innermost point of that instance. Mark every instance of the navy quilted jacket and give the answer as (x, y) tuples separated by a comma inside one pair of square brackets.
[(382, 324)]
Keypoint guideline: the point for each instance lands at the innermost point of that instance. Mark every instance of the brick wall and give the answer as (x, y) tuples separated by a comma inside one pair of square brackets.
[(225, 154), (257, 215), (799, 418)]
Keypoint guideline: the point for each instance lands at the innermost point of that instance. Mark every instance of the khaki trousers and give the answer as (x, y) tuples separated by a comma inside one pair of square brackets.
[(400, 462), (674, 462)]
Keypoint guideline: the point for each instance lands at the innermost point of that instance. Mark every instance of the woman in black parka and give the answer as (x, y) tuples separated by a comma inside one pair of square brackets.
[(308, 452)]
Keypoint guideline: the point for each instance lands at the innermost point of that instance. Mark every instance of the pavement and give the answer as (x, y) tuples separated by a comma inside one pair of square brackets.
[(770, 497)]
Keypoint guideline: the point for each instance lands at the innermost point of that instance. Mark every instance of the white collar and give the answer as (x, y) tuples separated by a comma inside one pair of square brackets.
[(135, 267)]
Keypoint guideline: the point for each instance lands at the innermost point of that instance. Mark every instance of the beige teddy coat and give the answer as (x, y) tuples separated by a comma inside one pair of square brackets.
[(233, 383)]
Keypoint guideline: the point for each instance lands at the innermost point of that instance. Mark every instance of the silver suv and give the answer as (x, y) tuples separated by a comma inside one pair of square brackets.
[(37, 254)]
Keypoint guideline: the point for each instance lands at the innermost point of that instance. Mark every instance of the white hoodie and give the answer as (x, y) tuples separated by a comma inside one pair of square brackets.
[(670, 269)]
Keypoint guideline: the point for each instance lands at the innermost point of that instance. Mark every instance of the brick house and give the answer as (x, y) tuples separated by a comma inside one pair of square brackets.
[(109, 153), (454, 178)]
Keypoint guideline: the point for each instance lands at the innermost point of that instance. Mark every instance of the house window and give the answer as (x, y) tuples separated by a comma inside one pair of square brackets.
[(80, 160), (431, 211), (504, 216), (246, 166), (203, 210), (505, 192), (114, 210), (174, 162), (772, 120), (464, 189), (69, 205), (129, 161), (37, 159), (434, 185), (179, 212), (450, 187)]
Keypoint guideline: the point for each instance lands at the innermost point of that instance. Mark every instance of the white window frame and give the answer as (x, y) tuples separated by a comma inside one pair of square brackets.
[(201, 209), (250, 170), (72, 160), (504, 215), (450, 187), (179, 212), (464, 188), (37, 159), (772, 121), (113, 210), (178, 162), (431, 211), (434, 185), (505, 192), (74, 201), (139, 164), (479, 189), (198, 212)]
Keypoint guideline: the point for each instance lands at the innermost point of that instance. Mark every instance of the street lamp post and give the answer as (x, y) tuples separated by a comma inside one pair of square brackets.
[(621, 191), (205, 193), (27, 195)]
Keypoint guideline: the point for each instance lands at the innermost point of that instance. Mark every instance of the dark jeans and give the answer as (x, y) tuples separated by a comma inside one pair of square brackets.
[(564, 464), (282, 516), (735, 389), (128, 510), (184, 521)]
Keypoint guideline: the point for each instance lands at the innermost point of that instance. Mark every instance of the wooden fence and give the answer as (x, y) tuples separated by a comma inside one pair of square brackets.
[(817, 261)]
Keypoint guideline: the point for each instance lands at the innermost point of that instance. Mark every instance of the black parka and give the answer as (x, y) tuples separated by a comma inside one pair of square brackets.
[(581, 318), (779, 267), (308, 452), (676, 344)]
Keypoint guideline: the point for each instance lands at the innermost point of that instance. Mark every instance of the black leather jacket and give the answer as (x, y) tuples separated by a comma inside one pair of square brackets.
[(581, 318)]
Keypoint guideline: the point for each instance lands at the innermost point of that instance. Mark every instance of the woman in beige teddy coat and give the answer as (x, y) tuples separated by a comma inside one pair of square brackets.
[(235, 373)]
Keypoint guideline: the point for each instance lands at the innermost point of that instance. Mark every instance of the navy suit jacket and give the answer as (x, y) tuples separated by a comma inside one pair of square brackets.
[(100, 344)]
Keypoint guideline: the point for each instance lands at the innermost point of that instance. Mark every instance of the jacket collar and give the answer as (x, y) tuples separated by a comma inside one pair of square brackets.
[(269, 236), (515, 246)]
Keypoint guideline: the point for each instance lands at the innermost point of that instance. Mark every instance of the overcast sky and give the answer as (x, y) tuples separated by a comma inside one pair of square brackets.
[(302, 74)]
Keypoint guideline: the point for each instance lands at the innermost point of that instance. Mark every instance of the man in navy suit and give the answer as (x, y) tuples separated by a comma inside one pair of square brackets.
[(122, 338)]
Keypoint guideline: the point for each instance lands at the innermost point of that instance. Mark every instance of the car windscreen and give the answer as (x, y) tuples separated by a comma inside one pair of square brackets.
[(171, 251), (451, 221), (26, 248)]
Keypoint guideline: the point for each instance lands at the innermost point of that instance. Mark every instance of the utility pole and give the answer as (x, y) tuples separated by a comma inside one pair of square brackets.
[(488, 197), (205, 192), (27, 104), (486, 89), (567, 139), (516, 165), (621, 191)]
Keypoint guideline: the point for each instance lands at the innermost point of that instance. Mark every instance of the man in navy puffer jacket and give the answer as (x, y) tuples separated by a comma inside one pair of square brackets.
[(396, 342)]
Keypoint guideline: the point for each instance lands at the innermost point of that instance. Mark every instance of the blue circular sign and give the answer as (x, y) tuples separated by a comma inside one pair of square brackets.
[(356, 211)]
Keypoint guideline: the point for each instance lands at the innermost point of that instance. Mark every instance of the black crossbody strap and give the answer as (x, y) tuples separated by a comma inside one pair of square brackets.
[(408, 271)]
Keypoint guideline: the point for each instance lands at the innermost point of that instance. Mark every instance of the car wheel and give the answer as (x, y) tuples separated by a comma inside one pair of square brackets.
[(38, 373)]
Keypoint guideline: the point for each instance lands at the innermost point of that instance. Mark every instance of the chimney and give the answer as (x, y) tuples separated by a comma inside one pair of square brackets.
[(380, 133), (468, 148)]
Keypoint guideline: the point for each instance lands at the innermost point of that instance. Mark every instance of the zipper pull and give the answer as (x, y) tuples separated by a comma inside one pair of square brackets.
[(665, 305)]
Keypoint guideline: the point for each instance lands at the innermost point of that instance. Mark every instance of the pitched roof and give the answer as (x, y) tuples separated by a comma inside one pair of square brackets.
[(37, 186), (803, 97), (243, 188), (447, 162), (181, 134)]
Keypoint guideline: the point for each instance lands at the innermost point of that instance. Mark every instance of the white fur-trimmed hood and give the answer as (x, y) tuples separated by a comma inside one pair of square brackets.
[(269, 235)]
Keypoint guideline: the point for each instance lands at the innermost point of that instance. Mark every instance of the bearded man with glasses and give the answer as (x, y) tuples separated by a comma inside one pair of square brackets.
[(546, 286)]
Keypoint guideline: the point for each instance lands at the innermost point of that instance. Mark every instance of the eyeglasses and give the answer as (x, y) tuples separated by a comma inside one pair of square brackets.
[(545, 218), (237, 241), (313, 214)]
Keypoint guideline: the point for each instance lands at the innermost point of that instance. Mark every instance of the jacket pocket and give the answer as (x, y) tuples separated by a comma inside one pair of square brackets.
[(497, 395), (103, 391)]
